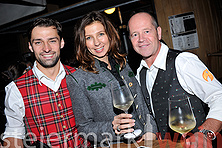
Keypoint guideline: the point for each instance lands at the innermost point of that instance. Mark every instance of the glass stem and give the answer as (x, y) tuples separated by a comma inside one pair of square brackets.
[(184, 138)]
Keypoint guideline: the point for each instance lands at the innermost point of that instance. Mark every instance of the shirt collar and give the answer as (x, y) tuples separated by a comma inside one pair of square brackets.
[(160, 61), (39, 75)]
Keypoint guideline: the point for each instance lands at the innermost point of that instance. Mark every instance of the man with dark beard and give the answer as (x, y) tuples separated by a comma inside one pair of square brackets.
[(38, 105)]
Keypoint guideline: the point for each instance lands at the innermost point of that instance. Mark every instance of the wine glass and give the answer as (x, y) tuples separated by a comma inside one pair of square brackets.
[(181, 117), (123, 99)]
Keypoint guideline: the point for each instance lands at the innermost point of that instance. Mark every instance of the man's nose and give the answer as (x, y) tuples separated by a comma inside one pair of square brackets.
[(47, 47), (141, 38)]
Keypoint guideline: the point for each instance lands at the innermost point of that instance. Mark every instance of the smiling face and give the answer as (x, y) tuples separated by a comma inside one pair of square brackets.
[(145, 36), (97, 41), (46, 45)]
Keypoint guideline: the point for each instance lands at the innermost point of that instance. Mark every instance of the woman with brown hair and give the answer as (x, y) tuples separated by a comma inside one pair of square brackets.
[(101, 63)]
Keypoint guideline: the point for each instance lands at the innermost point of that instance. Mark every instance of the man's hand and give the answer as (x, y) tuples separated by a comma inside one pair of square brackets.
[(11, 142), (123, 123), (198, 140)]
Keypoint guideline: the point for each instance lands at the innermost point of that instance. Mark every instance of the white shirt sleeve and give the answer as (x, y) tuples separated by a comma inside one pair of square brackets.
[(196, 79), (14, 111)]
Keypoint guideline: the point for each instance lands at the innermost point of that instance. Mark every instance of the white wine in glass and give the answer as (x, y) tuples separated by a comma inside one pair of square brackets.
[(181, 117), (123, 99)]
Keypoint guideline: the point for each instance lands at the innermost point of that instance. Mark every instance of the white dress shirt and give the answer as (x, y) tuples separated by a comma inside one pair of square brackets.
[(189, 70), (14, 105)]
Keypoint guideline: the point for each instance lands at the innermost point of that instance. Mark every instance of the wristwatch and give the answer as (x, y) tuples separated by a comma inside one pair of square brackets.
[(209, 134)]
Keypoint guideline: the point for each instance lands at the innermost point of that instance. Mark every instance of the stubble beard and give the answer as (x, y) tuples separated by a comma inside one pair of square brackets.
[(48, 63)]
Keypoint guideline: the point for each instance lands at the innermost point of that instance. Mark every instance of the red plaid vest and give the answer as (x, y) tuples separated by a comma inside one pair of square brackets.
[(49, 116)]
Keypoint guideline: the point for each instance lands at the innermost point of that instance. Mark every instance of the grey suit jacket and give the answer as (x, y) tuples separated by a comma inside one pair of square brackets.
[(92, 101)]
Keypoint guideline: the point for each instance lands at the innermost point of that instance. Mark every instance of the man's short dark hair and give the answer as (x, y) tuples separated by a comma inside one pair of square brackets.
[(45, 22)]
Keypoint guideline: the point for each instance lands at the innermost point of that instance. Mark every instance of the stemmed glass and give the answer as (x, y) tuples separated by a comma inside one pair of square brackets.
[(123, 99), (181, 117)]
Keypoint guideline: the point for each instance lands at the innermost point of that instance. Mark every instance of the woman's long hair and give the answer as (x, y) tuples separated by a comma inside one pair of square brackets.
[(85, 58)]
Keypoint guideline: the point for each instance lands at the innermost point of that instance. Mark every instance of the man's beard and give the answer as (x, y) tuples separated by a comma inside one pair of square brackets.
[(45, 65)]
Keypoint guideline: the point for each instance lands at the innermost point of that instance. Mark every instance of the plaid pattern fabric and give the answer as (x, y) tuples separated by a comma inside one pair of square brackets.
[(48, 115)]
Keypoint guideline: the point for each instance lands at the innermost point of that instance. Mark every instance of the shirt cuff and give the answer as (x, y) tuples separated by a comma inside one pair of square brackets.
[(215, 115), (11, 132), (215, 112)]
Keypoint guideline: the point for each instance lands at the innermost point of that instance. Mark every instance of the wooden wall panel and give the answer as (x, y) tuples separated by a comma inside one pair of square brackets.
[(209, 27)]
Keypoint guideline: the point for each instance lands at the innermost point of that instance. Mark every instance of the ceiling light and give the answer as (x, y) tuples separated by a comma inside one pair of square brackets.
[(110, 11)]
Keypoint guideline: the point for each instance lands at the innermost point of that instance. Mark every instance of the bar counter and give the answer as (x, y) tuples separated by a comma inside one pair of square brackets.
[(153, 144)]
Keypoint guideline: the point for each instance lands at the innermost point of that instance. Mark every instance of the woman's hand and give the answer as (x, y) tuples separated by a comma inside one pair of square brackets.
[(123, 123)]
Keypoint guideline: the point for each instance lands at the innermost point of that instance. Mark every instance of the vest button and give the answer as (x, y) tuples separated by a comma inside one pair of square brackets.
[(64, 126), (61, 116), (57, 94), (59, 105), (130, 84), (137, 106), (140, 116)]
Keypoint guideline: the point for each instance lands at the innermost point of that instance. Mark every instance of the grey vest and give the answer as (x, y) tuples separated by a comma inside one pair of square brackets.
[(166, 85)]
